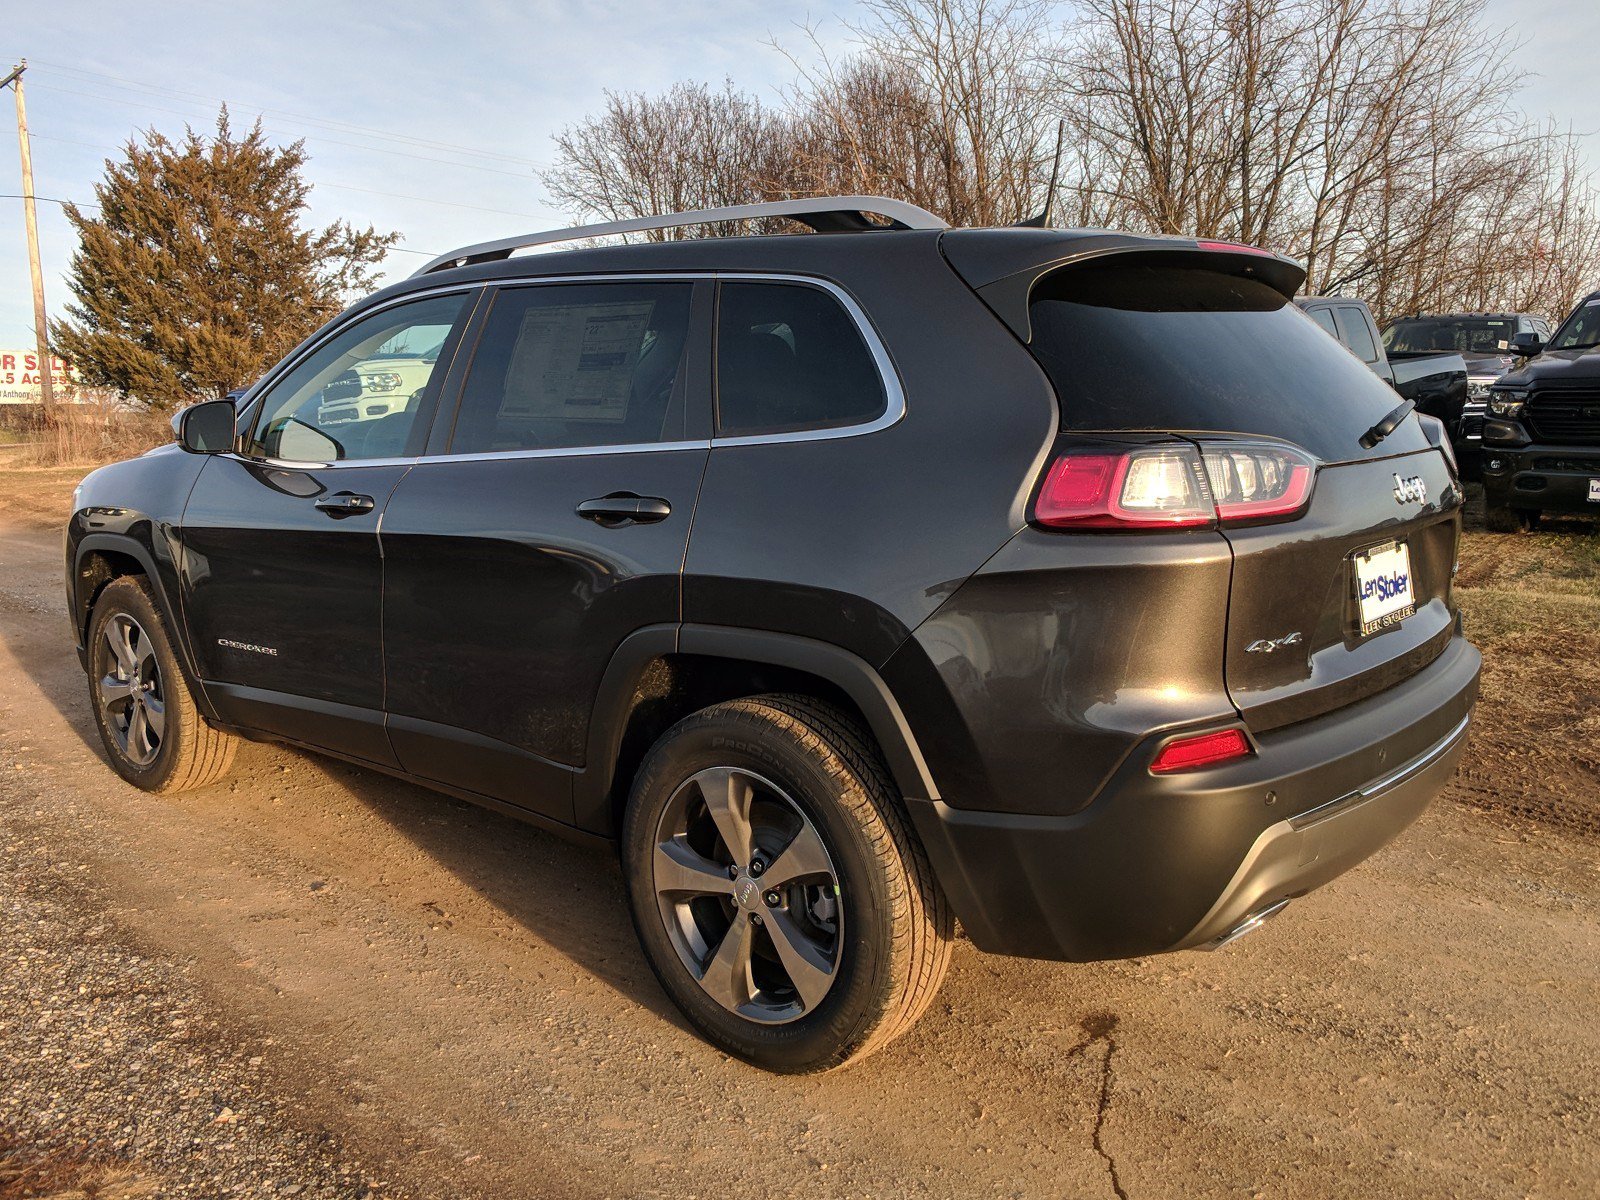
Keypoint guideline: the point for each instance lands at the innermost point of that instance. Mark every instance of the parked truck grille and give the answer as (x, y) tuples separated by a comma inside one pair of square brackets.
[(1565, 415)]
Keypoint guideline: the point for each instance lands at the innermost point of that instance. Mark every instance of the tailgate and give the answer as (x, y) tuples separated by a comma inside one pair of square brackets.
[(1295, 645)]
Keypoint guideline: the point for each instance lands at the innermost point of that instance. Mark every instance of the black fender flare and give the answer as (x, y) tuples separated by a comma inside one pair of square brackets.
[(846, 671), (120, 543)]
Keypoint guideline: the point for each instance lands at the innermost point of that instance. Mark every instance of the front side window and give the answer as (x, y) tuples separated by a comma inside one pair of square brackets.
[(790, 358), (358, 395), (1580, 330), (561, 366)]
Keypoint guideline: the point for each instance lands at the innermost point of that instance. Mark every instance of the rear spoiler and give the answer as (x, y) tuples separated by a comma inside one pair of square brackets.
[(1004, 265)]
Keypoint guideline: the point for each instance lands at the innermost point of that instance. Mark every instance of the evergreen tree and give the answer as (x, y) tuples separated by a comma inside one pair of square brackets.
[(198, 274)]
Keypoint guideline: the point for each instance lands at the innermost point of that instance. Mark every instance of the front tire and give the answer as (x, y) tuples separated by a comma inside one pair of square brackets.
[(151, 730), (777, 889), (1502, 518)]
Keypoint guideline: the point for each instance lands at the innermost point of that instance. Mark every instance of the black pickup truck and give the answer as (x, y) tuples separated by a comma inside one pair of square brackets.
[(1541, 437), (1483, 340), (1437, 383)]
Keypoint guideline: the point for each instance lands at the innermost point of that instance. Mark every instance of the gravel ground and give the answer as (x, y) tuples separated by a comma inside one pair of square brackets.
[(444, 1002), (120, 1077)]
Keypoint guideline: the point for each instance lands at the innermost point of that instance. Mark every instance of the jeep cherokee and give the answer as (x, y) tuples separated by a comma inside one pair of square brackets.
[(1071, 584)]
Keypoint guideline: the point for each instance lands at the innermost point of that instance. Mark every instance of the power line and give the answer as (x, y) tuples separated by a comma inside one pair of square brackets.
[(339, 186), (49, 199), (165, 92), (314, 137)]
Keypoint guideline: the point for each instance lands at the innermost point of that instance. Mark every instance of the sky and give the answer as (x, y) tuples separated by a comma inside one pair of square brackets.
[(434, 119)]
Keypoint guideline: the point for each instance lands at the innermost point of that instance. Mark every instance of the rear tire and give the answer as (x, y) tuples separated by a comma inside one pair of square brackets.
[(140, 697), (866, 931)]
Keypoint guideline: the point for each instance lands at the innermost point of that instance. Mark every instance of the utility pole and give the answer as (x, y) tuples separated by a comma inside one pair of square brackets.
[(41, 332)]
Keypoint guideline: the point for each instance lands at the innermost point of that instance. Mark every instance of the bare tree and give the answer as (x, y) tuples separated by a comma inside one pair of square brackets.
[(1377, 140), (1370, 137), (688, 148)]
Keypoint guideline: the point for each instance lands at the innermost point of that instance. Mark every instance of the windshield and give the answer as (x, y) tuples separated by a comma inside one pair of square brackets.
[(1463, 335), (1581, 329), (1179, 349)]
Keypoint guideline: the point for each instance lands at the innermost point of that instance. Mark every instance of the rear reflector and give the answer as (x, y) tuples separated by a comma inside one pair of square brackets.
[(1174, 486), (1201, 750)]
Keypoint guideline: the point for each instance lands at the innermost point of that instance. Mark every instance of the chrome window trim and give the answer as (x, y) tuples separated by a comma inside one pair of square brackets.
[(894, 397), (894, 393), (331, 330)]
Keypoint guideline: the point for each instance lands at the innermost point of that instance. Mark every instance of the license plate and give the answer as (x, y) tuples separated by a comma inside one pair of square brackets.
[(1383, 586), (1594, 491)]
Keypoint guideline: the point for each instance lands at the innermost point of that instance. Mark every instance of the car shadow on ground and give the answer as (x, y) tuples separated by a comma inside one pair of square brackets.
[(568, 895)]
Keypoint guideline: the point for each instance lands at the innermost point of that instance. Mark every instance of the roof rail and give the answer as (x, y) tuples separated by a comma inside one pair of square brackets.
[(822, 213)]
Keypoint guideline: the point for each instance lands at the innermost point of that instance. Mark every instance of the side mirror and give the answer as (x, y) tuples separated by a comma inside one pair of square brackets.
[(207, 428), (1526, 345)]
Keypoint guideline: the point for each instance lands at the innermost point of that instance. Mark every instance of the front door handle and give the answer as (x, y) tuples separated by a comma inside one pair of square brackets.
[(625, 508), (346, 504)]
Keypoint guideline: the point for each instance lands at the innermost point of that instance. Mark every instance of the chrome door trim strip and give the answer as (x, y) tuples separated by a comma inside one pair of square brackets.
[(894, 393)]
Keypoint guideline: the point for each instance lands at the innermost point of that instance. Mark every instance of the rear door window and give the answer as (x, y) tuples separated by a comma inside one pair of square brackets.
[(562, 366), (1180, 349), (790, 358), (1358, 333)]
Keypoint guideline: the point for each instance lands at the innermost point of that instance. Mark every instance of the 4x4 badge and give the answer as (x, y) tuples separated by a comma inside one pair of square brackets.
[(1268, 645), (1410, 487)]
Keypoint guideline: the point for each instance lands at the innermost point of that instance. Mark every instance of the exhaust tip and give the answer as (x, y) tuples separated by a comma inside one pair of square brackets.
[(1249, 925)]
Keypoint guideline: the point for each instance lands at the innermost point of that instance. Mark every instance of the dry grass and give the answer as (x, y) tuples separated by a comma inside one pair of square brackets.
[(84, 435), (1532, 605), (69, 1175)]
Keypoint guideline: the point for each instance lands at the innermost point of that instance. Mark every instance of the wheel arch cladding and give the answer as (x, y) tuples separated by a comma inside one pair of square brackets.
[(661, 674)]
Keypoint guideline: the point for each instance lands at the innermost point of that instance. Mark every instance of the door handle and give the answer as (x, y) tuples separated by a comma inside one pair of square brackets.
[(345, 504), (625, 508)]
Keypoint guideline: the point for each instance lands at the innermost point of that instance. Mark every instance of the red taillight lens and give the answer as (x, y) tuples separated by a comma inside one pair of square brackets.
[(1156, 488), (1201, 750), (1174, 486)]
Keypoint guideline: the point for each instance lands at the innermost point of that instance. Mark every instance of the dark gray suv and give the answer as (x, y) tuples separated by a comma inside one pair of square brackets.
[(1069, 584)]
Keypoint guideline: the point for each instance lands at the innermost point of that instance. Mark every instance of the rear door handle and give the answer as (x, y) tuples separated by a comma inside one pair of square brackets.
[(346, 504), (625, 508)]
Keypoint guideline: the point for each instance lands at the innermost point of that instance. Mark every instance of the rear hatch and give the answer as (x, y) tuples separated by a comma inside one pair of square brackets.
[(1350, 592)]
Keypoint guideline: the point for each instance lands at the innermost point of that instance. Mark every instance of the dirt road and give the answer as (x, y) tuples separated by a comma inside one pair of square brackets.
[(454, 1002)]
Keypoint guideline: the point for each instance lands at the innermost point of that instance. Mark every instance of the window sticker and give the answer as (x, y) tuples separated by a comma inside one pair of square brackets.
[(576, 361)]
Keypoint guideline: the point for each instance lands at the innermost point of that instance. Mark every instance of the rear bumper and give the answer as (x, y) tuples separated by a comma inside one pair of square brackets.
[(1545, 478), (1176, 862)]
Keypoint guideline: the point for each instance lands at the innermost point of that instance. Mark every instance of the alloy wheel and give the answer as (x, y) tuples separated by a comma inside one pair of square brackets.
[(749, 895), (130, 692)]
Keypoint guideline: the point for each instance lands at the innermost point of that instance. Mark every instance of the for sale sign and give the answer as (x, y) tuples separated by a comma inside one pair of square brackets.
[(19, 377)]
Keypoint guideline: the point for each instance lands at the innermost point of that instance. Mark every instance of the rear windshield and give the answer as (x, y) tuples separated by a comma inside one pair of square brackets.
[(1464, 335), (1175, 348)]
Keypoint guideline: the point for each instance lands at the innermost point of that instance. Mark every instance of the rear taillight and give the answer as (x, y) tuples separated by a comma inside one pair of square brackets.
[(1201, 750), (1141, 489), (1174, 486)]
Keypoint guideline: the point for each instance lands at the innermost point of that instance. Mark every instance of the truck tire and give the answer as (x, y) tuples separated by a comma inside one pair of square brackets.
[(1502, 518), (777, 888), (152, 732)]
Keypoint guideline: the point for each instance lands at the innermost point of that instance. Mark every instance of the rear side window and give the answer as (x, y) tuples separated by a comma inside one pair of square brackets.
[(1324, 317), (790, 358), (561, 366), (1179, 349), (1358, 334)]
